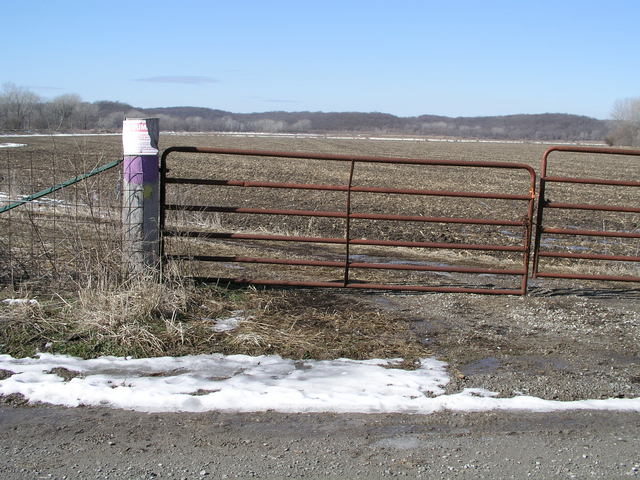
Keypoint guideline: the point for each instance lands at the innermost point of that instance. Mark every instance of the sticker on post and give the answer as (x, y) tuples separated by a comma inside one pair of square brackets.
[(140, 136)]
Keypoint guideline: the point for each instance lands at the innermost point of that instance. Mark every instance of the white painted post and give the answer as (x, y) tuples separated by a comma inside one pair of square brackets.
[(141, 194)]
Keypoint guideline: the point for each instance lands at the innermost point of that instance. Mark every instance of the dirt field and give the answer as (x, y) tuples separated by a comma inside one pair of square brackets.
[(452, 236), (30, 168)]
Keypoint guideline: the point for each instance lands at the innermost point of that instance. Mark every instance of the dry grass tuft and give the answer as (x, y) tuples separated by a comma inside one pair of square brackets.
[(304, 324), (142, 318), (26, 328), (124, 308)]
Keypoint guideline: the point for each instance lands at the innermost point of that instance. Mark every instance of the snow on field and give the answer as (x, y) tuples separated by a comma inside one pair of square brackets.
[(12, 145), (43, 201), (312, 135), (378, 138), (60, 135), (228, 324), (239, 383)]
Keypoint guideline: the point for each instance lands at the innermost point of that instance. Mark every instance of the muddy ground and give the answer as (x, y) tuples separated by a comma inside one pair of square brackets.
[(559, 342)]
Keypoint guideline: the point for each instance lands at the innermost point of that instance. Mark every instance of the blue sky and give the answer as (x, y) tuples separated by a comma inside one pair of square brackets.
[(405, 57)]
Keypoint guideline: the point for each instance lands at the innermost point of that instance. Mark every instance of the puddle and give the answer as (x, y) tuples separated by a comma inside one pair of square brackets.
[(233, 266), (481, 367), (384, 301), (537, 361), (510, 234), (401, 261)]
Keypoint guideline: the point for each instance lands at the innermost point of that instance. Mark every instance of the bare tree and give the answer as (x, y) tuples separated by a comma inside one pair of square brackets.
[(16, 107), (62, 109), (268, 125), (626, 123), (228, 124), (111, 121), (85, 116)]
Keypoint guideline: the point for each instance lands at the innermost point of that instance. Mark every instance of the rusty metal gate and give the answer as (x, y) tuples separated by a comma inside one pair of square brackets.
[(204, 242), (615, 235)]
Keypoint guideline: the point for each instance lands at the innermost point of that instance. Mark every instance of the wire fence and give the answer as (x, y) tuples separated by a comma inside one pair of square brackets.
[(66, 237)]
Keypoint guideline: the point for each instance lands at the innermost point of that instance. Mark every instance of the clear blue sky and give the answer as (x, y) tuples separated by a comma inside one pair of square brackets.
[(405, 57)]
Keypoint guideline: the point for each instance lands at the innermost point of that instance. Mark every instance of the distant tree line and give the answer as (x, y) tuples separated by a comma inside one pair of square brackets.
[(22, 110)]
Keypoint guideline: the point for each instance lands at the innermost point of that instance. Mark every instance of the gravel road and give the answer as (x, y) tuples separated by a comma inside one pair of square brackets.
[(94, 443)]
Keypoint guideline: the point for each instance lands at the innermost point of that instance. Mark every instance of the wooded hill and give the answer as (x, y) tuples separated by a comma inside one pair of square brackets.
[(547, 126), (21, 111)]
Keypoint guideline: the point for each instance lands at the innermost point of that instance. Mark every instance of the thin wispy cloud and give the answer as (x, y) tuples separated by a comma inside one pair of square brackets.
[(44, 87), (182, 79), (280, 100)]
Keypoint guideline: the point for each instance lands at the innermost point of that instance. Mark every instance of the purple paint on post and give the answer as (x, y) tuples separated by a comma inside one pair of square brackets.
[(141, 169)]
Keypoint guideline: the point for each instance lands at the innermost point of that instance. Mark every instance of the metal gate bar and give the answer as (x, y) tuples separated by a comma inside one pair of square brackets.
[(524, 221), (545, 204)]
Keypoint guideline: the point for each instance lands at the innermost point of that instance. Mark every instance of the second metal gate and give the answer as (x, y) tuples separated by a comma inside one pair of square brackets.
[(613, 243)]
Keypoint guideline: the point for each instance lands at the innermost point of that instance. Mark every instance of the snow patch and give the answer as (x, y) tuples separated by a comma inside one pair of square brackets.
[(228, 324), (225, 383), (240, 383), (377, 138), (61, 135), (12, 145), (20, 301)]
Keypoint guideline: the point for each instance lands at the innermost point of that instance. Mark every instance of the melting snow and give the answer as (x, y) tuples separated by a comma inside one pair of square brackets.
[(12, 145), (240, 383)]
